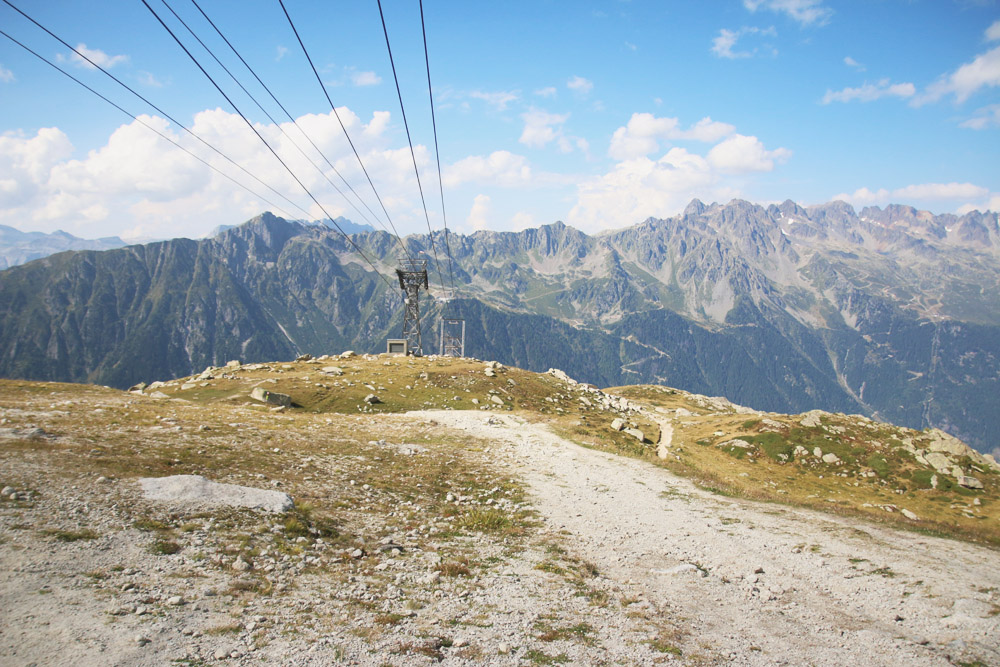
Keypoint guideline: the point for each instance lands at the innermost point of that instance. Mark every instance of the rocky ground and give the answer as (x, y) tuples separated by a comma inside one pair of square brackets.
[(454, 536)]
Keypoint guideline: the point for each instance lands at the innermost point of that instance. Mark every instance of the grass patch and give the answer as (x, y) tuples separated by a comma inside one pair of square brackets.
[(536, 657), (71, 535), (484, 520), (164, 547)]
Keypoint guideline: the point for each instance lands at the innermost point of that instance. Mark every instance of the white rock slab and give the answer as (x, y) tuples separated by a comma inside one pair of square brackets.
[(195, 489)]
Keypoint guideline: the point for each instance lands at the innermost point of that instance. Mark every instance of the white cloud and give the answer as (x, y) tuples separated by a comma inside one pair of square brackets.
[(982, 72), (98, 57), (870, 92), (541, 127), (854, 64), (498, 168), (988, 116), (974, 197), (638, 188), (993, 32), (741, 154), (644, 132), (147, 79), (365, 79), (806, 12), (522, 220), (941, 191), (477, 218), (6, 76), (499, 100), (631, 47), (726, 40), (580, 85), (280, 52), (140, 182), (548, 91)]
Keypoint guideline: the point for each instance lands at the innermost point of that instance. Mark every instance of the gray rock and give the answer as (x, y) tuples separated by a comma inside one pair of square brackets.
[(617, 424), (241, 565), (939, 462), (195, 489), (909, 515), (372, 399), (304, 357), (333, 370), (969, 482), (138, 387), (831, 458), (496, 399), (636, 433), (271, 397)]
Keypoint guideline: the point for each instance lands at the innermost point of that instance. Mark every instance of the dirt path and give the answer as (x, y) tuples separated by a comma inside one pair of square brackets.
[(759, 583)]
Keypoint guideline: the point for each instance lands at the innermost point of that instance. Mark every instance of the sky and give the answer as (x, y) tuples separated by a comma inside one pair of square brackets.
[(598, 113)]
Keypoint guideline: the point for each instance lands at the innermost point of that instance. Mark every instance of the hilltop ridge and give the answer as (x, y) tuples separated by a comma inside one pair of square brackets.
[(475, 513)]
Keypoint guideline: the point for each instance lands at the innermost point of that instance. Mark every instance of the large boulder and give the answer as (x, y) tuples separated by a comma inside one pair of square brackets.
[(271, 397)]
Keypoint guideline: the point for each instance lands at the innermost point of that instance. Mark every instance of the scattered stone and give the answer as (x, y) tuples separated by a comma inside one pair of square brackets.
[(195, 489), (496, 399), (221, 653), (490, 373), (939, 462), (233, 364), (358, 553), (617, 424), (909, 515), (333, 370), (175, 601), (241, 565), (372, 399), (304, 357), (736, 442), (831, 458), (137, 388)]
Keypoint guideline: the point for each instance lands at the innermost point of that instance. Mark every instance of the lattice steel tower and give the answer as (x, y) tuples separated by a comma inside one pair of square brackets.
[(412, 276), (452, 337)]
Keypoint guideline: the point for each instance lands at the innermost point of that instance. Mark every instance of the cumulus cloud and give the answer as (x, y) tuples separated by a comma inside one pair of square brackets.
[(477, 218), (982, 72), (644, 132), (854, 64), (6, 76), (971, 195), (138, 183), (365, 79), (498, 168), (870, 92), (741, 154), (638, 187), (95, 56), (806, 12), (726, 40), (548, 91), (993, 32), (580, 85), (988, 116), (541, 127), (498, 100)]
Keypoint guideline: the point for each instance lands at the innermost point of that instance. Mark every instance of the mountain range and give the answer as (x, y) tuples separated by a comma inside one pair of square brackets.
[(17, 247), (893, 313)]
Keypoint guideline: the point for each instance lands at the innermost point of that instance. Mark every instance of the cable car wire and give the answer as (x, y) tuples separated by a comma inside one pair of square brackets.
[(437, 153), (265, 112), (413, 155), (339, 120), (264, 141), (158, 109), (144, 123)]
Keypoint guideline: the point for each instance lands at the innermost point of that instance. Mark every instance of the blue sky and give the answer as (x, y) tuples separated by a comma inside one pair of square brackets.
[(596, 113)]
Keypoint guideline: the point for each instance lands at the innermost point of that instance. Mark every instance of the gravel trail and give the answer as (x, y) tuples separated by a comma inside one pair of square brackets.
[(756, 583)]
